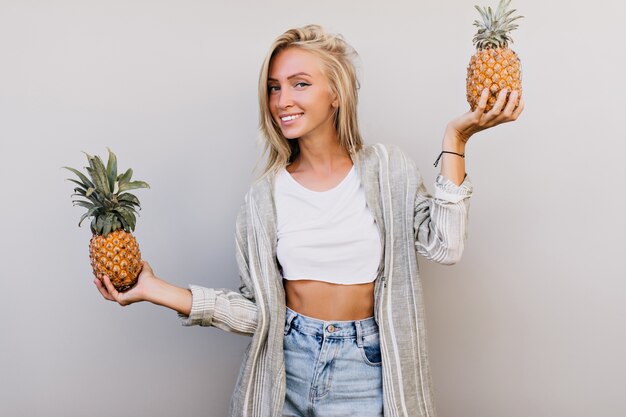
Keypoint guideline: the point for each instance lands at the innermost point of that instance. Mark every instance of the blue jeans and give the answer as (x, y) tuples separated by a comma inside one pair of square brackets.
[(333, 368)]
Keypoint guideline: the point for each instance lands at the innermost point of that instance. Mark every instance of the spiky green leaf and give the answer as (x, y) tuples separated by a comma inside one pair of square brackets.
[(117, 224), (85, 204), (111, 170), (124, 222), (85, 181), (125, 177), (507, 14), (91, 212), (127, 215), (133, 185), (128, 197), (108, 224), (99, 181), (106, 229), (499, 9), (82, 186), (134, 209), (101, 171), (100, 224), (92, 197)]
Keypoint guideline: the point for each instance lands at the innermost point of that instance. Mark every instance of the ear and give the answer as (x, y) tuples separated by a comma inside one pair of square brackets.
[(334, 96)]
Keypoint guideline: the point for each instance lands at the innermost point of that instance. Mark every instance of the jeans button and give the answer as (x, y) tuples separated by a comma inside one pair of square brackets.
[(330, 328)]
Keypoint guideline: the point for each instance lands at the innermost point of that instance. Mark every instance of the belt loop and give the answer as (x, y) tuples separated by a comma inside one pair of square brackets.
[(359, 333), (290, 317)]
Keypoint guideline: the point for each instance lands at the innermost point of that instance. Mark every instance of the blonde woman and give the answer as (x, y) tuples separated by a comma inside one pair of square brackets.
[(327, 239)]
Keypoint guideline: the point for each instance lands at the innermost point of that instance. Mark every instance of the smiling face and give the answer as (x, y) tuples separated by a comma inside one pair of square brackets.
[(300, 98)]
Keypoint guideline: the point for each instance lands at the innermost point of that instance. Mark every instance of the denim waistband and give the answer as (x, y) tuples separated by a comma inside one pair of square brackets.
[(329, 328)]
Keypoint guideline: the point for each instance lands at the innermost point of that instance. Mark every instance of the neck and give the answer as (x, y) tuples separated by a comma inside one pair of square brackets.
[(321, 152)]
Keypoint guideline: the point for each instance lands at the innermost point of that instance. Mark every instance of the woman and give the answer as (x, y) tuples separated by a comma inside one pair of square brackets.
[(326, 247)]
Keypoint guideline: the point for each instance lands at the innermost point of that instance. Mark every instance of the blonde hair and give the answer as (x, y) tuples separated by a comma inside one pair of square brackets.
[(336, 58)]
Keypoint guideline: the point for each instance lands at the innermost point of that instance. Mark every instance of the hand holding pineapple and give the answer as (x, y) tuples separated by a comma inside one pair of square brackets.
[(141, 291), (148, 288), (504, 110)]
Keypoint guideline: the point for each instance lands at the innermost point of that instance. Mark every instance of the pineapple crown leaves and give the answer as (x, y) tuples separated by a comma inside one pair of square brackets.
[(493, 31), (105, 195)]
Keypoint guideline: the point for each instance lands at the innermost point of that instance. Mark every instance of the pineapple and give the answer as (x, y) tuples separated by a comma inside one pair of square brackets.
[(113, 249), (494, 65)]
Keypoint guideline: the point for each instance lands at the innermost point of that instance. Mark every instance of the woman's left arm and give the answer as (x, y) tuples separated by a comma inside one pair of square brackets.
[(440, 223), (459, 130)]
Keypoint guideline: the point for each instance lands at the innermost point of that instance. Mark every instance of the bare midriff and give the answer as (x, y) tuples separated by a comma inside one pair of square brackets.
[(327, 301)]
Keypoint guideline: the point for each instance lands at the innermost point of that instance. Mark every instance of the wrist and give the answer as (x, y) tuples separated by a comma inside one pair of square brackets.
[(164, 294), (155, 291), (453, 141)]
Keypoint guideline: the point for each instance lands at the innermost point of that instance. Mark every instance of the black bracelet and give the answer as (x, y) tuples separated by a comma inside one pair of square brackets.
[(442, 152)]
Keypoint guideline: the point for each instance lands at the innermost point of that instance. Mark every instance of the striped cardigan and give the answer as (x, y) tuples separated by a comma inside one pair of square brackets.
[(410, 221)]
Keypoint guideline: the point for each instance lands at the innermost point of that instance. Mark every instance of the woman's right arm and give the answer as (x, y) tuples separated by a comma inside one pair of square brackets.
[(232, 311), (218, 307), (149, 288)]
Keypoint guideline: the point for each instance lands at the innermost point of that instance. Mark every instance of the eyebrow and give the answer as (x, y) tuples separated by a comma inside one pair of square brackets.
[(291, 76)]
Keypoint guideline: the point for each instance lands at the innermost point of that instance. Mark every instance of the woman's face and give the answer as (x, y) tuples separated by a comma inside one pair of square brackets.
[(297, 86)]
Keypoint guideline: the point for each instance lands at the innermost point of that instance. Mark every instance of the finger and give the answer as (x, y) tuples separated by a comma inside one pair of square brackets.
[(146, 266), (510, 105), (482, 102), (497, 107), (102, 290), (519, 109), (111, 288)]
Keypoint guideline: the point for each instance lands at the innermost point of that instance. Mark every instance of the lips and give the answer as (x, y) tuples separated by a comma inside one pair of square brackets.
[(290, 118)]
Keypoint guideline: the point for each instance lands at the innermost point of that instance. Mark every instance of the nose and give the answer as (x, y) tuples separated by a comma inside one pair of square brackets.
[(284, 99)]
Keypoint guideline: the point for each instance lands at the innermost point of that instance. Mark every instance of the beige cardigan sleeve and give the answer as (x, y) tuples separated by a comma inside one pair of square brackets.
[(440, 222)]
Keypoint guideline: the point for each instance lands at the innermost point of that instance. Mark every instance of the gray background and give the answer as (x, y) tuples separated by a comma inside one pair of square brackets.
[(529, 323)]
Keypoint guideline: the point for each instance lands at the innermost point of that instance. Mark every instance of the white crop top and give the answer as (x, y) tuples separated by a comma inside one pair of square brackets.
[(326, 235)]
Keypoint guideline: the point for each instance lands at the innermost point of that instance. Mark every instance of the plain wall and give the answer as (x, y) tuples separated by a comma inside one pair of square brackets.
[(529, 323)]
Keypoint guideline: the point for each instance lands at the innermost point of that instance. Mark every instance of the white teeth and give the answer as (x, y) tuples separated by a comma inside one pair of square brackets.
[(285, 119)]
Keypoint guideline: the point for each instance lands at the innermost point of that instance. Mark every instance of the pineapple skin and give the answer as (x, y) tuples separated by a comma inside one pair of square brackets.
[(496, 69), (118, 256)]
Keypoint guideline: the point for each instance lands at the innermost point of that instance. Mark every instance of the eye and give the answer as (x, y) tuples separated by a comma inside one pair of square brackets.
[(303, 83), (269, 88)]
